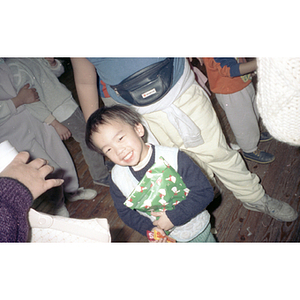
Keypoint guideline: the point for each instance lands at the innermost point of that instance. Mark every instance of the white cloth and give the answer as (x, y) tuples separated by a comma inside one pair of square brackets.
[(278, 97), (56, 229)]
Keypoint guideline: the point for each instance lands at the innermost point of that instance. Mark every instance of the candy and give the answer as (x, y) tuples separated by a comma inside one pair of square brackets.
[(156, 235)]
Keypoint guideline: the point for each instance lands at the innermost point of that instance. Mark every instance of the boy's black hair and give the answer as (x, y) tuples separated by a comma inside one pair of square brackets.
[(105, 114)]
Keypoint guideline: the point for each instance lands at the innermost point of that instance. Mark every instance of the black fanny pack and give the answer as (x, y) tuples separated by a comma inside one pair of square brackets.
[(148, 85)]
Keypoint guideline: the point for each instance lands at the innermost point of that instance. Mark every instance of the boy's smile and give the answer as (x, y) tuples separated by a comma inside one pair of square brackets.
[(121, 142)]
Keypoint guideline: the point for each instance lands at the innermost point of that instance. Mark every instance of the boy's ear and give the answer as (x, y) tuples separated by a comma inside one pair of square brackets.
[(140, 130)]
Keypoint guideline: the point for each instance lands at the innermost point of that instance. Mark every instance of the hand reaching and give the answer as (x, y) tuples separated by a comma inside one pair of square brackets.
[(32, 174)]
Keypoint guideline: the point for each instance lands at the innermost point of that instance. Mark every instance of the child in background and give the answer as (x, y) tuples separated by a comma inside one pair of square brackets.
[(26, 133), (230, 81), (57, 106), (117, 132)]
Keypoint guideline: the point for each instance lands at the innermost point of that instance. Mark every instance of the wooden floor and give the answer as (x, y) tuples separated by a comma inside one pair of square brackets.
[(232, 222)]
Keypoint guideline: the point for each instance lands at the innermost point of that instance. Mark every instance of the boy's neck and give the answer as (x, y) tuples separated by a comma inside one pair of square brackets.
[(145, 161)]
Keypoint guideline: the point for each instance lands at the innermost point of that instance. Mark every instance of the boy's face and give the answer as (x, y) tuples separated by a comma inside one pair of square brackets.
[(121, 142)]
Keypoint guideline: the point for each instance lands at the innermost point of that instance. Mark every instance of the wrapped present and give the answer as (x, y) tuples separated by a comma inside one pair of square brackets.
[(160, 189)]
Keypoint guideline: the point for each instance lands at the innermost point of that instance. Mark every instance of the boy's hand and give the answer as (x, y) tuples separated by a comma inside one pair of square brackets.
[(26, 95), (163, 222), (62, 130)]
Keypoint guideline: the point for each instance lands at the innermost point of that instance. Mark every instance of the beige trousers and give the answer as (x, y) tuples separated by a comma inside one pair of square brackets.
[(214, 156)]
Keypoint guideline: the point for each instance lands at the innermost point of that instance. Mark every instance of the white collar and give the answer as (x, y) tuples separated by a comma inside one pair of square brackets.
[(145, 161)]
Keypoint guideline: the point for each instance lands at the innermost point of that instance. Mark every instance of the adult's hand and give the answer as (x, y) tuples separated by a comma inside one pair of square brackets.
[(32, 174)]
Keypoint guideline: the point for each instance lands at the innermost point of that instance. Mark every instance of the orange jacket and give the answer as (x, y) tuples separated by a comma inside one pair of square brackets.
[(224, 76)]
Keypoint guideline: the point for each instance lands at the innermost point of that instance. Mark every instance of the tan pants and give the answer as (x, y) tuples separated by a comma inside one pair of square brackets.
[(214, 156)]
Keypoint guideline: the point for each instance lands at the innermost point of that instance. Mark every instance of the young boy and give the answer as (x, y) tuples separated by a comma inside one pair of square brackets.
[(230, 80), (117, 132)]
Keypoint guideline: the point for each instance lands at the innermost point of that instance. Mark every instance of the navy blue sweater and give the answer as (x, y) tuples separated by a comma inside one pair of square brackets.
[(200, 195)]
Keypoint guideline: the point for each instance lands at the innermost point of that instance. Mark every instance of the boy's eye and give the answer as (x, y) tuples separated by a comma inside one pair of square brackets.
[(108, 150), (121, 138)]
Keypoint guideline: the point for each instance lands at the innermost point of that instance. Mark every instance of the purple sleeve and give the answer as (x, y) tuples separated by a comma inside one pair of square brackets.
[(15, 201)]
